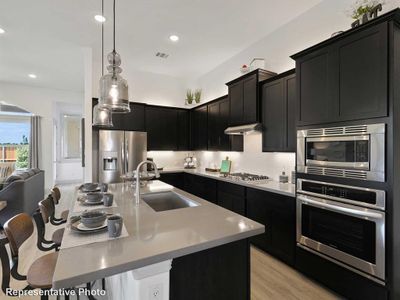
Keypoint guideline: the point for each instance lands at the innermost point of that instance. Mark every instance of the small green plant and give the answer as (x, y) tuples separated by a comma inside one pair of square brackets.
[(189, 97), (362, 7), (197, 95), (22, 156)]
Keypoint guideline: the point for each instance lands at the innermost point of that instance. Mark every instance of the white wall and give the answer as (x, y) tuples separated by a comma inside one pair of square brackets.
[(309, 28), (146, 87), (40, 101)]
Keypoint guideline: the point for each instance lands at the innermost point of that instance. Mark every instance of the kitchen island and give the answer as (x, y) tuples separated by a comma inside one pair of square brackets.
[(206, 243)]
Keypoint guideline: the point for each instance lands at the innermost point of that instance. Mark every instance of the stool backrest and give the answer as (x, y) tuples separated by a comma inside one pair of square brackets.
[(18, 229), (55, 194), (46, 208)]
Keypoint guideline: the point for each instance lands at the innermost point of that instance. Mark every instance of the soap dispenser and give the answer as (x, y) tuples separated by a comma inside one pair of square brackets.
[(283, 178)]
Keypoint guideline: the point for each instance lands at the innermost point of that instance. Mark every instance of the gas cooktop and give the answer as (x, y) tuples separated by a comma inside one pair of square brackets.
[(247, 177)]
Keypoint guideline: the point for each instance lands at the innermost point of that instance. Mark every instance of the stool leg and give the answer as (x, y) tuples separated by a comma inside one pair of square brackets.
[(103, 284)]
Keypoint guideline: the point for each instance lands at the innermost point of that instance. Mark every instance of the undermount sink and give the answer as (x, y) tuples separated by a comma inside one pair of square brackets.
[(163, 201)]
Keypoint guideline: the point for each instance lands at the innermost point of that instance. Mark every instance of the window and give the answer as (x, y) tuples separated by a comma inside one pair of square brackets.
[(71, 137), (14, 140)]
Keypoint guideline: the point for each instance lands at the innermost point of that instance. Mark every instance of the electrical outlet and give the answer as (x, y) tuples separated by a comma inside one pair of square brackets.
[(156, 292)]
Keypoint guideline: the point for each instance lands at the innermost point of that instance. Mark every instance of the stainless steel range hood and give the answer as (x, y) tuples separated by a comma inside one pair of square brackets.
[(244, 129)]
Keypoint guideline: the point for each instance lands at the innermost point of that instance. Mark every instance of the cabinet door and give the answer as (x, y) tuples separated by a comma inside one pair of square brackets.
[(235, 92), (213, 126), (174, 179), (363, 71), (161, 127), (250, 102), (199, 129), (317, 81), (274, 116), (223, 123), (291, 113), (278, 214), (232, 197), (183, 130), (200, 186), (257, 210), (132, 121)]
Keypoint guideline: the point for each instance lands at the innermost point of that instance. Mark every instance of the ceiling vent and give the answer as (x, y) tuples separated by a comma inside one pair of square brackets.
[(162, 54)]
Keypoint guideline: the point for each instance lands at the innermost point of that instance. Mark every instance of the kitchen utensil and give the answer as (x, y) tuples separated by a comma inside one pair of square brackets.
[(114, 225), (226, 166), (108, 199), (93, 219)]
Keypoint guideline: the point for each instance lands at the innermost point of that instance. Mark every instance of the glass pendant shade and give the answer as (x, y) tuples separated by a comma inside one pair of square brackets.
[(113, 87), (102, 116)]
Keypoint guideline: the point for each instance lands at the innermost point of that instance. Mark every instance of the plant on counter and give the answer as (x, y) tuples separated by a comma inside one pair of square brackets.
[(189, 97), (197, 95)]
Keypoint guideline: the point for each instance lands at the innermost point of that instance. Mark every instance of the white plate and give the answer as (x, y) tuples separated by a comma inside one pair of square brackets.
[(82, 227)]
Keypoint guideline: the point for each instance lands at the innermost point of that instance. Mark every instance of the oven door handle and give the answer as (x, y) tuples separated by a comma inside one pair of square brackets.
[(359, 213)]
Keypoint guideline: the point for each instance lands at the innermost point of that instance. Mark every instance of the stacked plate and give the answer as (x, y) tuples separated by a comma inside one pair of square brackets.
[(89, 222), (92, 198)]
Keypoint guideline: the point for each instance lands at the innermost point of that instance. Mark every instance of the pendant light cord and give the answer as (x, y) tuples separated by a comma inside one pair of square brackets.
[(114, 24), (102, 39)]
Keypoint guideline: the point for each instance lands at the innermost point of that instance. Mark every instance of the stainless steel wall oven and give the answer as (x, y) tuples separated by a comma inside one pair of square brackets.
[(343, 223), (353, 151)]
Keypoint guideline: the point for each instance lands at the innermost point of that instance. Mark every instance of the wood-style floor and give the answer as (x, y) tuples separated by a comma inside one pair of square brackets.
[(270, 278)]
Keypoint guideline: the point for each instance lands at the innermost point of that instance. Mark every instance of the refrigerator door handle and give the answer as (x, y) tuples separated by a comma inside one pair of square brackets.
[(126, 153)]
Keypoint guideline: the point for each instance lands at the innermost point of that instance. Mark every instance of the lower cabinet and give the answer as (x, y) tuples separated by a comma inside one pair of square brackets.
[(174, 179), (200, 186), (232, 197), (278, 214)]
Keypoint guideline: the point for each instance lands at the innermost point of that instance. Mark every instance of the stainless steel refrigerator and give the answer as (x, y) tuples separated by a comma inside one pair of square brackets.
[(120, 152)]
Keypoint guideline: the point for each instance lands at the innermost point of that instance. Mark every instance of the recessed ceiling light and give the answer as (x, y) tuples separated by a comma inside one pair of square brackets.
[(100, 18), (2, 31), (32, 76), (174, 38)]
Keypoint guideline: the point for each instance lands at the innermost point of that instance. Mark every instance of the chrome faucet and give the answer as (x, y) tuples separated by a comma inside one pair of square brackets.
[(137, 192)]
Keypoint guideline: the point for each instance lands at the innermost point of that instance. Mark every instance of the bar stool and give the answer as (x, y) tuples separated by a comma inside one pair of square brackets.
[(46, 209), (40, 274), (55, 194)]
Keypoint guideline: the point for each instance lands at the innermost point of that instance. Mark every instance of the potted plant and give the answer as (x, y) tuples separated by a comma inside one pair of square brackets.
[(189, 97), (197, 95), (365, 10)]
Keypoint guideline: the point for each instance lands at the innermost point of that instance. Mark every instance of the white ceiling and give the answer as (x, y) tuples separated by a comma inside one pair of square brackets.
[(46, 37)]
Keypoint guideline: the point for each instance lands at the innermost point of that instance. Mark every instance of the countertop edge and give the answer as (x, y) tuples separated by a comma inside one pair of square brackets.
[(249, 185), (98, 274)]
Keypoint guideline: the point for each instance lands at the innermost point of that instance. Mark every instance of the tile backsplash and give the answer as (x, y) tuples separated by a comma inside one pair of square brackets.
[(252, 159)]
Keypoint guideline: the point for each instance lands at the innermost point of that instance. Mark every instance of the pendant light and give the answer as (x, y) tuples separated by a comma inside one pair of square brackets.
[(113, 87), (102, 116)]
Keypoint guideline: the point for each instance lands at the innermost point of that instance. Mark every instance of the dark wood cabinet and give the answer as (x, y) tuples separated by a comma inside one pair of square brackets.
[(278, 107), (199, 131), (201, 186), (132, 121), (345, 78), (244, 98), (183, 130), (218, 121), (221, 273), (162, 128), (232, 197), (174, 179), (167, 128), (278, 214)]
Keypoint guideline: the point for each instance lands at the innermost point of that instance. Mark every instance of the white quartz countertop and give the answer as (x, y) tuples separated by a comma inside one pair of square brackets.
[(153, 236), (287, 189)]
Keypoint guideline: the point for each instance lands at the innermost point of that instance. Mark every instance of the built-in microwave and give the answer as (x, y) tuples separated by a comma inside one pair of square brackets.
[(352, 151)]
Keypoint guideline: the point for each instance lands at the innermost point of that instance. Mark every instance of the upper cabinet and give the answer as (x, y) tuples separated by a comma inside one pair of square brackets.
[(132, 121), (278, 96), (345, 78), (218, 121), (167, 128), (244, 98), (199, 131)]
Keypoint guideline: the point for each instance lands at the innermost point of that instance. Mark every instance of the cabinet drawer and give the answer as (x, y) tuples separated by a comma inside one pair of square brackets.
[(231, 188)]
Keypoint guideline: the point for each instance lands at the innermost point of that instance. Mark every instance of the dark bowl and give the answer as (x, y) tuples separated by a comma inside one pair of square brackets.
[(94, 197), (89, 186), (93, 219)]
